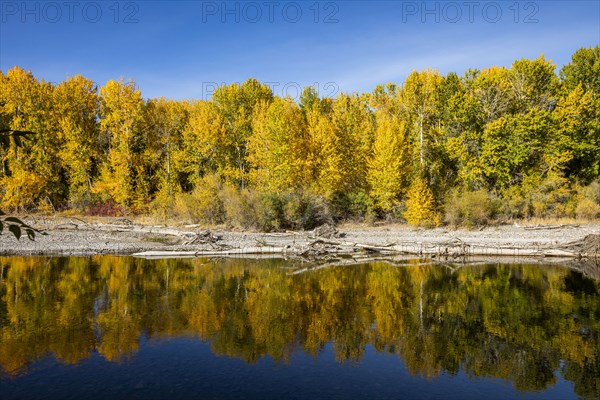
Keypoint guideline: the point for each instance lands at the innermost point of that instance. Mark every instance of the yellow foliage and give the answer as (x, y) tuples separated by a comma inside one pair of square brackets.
[(587, 209), (204, 203), (21, 189), (277, 147), (325, 153), (420, 205), (388, 166)]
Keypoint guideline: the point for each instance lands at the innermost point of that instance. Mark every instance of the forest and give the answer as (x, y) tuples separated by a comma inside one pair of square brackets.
[(493, 145), (520, 323)]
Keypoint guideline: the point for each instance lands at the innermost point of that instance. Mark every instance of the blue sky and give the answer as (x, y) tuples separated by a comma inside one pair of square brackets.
[(181, 49)]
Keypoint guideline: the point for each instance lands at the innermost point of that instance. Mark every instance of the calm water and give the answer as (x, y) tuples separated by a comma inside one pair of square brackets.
[(117, 327)]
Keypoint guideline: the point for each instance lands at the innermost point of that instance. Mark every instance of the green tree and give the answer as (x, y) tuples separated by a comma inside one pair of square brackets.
[(583, 69)]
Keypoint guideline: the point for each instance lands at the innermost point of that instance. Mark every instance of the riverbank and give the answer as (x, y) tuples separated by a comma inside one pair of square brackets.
[(120, 236)]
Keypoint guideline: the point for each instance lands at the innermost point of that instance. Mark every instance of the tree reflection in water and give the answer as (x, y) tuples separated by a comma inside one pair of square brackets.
[(516, 322)]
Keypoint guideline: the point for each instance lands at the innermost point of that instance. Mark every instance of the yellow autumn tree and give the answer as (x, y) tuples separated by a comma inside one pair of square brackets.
[(388, 167), (418, 102), (204, 142), (420, 205), (26, 103), (277, 147), (122, 176), (77, 106), (354, 125), (164, 121), (235, 105), (324, 146)]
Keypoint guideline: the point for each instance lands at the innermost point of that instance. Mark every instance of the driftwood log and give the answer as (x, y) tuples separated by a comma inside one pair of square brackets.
[(327, 240), (589, 247)]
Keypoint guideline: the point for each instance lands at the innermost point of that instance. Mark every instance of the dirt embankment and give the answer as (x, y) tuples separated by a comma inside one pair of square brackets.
[(74, 236)]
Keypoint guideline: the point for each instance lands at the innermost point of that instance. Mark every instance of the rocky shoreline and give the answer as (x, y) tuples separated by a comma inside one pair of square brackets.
[(119, 236)]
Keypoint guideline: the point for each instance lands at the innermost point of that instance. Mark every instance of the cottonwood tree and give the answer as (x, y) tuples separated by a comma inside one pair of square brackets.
[(77, 106), (122, 176), (389, 167), (278, 146), (235, 105)]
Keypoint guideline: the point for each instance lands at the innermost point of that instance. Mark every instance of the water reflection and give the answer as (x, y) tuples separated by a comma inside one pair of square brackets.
[(521, 323)]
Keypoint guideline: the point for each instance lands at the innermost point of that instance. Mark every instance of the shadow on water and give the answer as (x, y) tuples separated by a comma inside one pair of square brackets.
[(525, 324)]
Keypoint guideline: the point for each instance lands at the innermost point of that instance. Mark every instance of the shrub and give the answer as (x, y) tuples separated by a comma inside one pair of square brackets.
[(207, 206), (238, 211), (353, 205), (268, 211), (107, 209), (549, 197), (588, 201), (83, 201), (305, 211), (163, 206), (202, 205), (468, 208), (587, 209)]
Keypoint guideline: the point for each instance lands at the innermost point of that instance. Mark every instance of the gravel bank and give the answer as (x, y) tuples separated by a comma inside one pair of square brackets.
[(71, 236)]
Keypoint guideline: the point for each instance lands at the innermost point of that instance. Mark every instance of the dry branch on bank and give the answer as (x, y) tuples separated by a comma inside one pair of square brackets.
[(548, 227), (444, 250)]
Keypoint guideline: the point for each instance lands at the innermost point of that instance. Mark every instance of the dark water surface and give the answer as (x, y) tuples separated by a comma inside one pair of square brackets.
[(117, 327)]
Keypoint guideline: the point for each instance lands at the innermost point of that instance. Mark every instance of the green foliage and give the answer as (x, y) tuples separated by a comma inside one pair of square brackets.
[(584, 69), (16, 226)]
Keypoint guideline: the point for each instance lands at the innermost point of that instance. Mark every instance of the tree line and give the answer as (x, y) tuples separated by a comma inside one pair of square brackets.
[(520, 323), (498, 143)]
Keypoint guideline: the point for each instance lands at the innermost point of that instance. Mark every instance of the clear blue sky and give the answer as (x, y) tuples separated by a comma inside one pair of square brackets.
[(180, 49)]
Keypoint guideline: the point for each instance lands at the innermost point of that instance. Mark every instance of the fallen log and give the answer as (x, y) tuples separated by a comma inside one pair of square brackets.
[(200, 253), (548, 227)]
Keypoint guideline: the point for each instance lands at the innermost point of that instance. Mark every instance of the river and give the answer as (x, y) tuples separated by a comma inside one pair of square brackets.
[(119, 327)]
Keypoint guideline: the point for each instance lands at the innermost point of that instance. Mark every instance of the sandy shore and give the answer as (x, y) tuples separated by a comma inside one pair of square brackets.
[(74, 236)]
